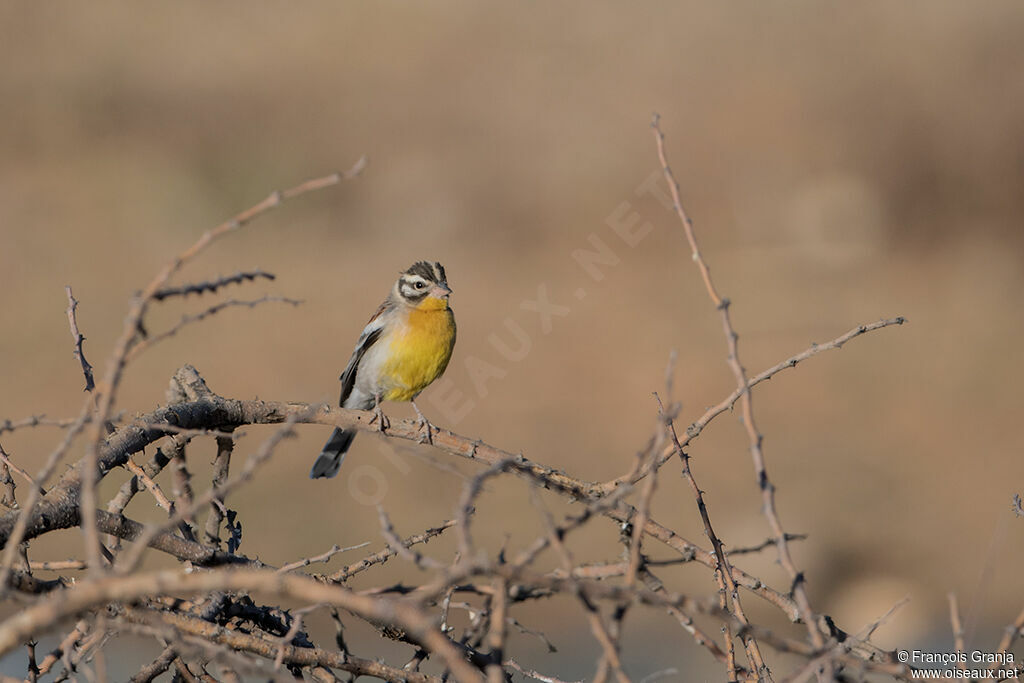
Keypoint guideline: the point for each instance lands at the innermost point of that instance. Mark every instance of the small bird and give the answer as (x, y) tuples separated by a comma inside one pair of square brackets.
[(406, 345)]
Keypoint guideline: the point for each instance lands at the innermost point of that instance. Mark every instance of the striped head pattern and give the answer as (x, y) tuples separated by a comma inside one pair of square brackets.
[(423, 285)]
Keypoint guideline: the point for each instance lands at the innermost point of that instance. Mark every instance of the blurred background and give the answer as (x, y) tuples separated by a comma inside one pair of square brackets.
[(842, 163)]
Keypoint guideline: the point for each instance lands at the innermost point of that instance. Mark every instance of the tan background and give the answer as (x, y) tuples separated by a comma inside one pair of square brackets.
[(842, 163)]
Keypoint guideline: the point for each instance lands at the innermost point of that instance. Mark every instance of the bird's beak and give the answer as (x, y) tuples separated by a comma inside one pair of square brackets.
[(441, 290)]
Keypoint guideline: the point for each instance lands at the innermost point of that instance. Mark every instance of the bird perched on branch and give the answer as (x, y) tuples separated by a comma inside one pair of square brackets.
[(406, 345)]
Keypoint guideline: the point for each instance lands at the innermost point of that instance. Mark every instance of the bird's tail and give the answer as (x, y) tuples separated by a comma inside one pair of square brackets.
[(333, 453)]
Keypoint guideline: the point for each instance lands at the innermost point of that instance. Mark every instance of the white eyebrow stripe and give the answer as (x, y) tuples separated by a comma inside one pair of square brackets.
[(409, 292)]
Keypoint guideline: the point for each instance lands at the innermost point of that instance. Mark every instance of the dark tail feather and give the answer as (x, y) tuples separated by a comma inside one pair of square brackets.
[(333, 453)]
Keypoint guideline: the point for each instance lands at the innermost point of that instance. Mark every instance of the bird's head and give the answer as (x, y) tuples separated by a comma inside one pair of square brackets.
[(424, 286)]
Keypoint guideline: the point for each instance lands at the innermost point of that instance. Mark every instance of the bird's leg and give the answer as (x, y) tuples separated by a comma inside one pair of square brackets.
[(378, 415), (424, 425)]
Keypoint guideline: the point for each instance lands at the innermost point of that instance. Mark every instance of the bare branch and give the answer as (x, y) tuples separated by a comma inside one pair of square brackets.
[(79, 338), (5, 459), (65, 646), (20, 524), (496, 632), (767, 488), (529, 673), (211, 285), (399, 546), (58, 565), (156, 667), (958, 627), (150, 485), (8, 425), (143, 345), (767, 543), (221, 468), (324, 557), (128, 490), (384, 555), (728, 594), (9, 499), (608, 644), (694, 430), (153, 536), (283, 586), (131, 561), (1010, 634)]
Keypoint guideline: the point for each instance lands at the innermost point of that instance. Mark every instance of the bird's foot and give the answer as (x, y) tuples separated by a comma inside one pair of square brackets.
[(426, 429), (380, 419)]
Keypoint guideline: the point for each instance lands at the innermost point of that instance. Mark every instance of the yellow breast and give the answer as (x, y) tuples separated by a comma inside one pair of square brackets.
[(419, 352)]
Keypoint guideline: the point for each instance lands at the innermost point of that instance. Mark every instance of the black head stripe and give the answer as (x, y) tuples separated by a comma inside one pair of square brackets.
[(424, 269), (439, 271)]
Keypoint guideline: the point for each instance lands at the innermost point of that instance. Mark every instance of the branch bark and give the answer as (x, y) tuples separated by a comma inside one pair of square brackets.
[(90, 594)]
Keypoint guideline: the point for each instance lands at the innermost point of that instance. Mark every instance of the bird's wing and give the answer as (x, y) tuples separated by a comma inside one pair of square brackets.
[(371, 333)]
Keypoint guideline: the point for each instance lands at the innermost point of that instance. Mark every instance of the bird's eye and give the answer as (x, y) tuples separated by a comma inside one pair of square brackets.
[(419, 285)]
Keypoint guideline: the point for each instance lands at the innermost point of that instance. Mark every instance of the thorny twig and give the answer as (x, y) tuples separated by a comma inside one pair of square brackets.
[(323, 557), (746, 401), (79, 338), (211, 285), (144, 345), (728, 593)]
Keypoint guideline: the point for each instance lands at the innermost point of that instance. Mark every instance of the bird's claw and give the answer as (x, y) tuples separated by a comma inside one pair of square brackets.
[(423, 424), (426, 431), (381, 419)]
